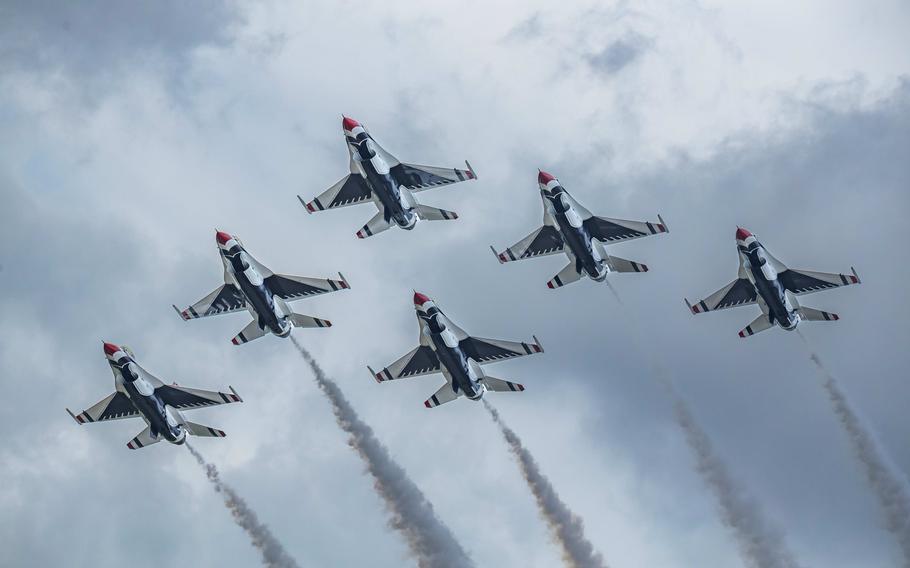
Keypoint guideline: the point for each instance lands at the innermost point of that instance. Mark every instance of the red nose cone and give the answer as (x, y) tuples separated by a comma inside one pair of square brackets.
[(543, 178), (349, 124), (110, 349), (222, 237), (420, 299), (742, 234)]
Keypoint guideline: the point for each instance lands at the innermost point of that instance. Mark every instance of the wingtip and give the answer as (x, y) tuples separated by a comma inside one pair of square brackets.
[(537, 343), (74, 416), (689, 304), (470, 169), (235, 394), (179, 313), (855, 275), (497, 255), (347, 285), (306, 206), (374, 374), (663, 223)]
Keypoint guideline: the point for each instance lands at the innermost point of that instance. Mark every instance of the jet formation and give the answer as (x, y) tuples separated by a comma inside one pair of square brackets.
[(376, 175)]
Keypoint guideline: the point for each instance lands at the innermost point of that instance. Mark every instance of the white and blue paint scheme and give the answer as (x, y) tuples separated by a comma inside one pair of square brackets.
[(140, 394), (445, 348), (569, 228), (250, 285), (390, 184), (766, 281)]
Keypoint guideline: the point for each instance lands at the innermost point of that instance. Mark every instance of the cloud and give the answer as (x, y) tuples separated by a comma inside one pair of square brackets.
[(110, 202), (620, 53)]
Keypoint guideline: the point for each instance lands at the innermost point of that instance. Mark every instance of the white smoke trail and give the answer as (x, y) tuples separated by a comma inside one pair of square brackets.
[(888, 483), (430, 541), (273, 554), (761, 545), (566, 527)]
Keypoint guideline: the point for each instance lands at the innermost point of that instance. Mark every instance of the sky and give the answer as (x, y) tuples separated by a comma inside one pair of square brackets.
[(129, 134)]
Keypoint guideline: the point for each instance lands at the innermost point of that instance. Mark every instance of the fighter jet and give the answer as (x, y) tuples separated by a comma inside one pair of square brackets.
[(139, 393), (250, 285), (768, 282), (571, 229), (446, 348), (379, 176)]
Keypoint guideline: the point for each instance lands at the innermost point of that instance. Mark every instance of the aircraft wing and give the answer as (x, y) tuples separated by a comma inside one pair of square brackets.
[(737, 293), (805, 282), (349, 190), (418, 178), (420, 361), (182, 397), (112, 407), (484, 350), (293, 287), (545, 240), (605, 229), (225, 299)]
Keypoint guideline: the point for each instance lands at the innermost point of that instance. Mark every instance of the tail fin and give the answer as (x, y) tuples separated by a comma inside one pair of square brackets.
[(200, 430), (428, 213), (761, 323), (249, 333), (300, 320), (811, 314)]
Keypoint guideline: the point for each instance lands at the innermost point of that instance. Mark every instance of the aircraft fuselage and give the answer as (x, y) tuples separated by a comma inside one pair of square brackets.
[(452, 357), (763, 274), (259, 297), (379, 178), (143, 398), (575, 236)]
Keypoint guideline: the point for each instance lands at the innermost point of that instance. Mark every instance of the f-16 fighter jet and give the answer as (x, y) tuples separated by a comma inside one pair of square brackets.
[(768, 282), (571, 229), (139, 393), (250, 285), (446, 348), (378, 176)]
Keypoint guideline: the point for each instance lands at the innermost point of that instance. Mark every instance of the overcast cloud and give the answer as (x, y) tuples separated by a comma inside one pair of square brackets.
[(129, 134)]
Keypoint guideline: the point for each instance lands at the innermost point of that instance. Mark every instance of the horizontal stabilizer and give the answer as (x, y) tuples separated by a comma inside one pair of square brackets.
[(299, 320), (622, 265), (200, 430), (761, 323), (499, 385), (375, 225), (445, 394), (143, 439), (567, 275), (810, 314), (428, 213), (249, 333)]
